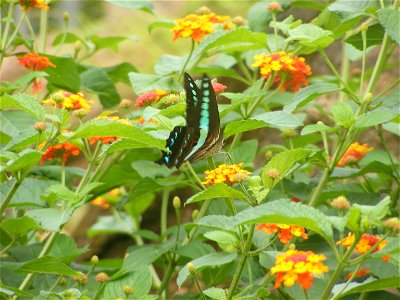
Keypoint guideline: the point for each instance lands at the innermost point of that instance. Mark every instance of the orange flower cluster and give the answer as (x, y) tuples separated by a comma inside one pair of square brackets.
[(27, 4), (353, 154), (149, 97), (360, 273), (225, 173), (218, 87), (103, 201), (69, 101), (197, 26), (35, 62), (61, 152), (286, 232), (142, 120), (366, 242), (298, 266), (108, 139), (290, 71)]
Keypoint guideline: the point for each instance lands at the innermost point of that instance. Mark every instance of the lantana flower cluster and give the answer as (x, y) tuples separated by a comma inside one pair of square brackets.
[(197, 26), (366, 242), (150, 97), (28, 4), (354, 153), (298, 266), (290, 72), (69, 101), (225, 173), (286, 232), (61, 152), (104, 200)]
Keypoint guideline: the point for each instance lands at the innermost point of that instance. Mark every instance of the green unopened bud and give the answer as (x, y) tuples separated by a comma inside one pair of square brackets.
[(365, 224), (58, 96), (204, 10), (80, 113), (368, 97), (289, 133), (238, 20), (364, 27), (66, 17), (68, 293), (320, 123), (195, 213), (292, 247), (191, 268), (127, 290), (94, 260), (176, 202), (268, 155), (78, 45), (62, 281)]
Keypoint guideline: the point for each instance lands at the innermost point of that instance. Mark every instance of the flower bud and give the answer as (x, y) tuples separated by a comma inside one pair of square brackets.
[(94, 260), (204, 10), (80, 113), (78, 45), (218, 87), (393, 224), (195, 213), (82, 279), (66, 17), (58, 96), (191, 268), (273, 173), (268, 155), (62, 281), (289, 133), (102, 277), (292, 247), (274, 7), (240, 177), (170, 99), (340, 202), (368, 97), (364, 27), (176, 202), (40, 126), (68, 293), (238, 21), (125, 103), (127, 290)]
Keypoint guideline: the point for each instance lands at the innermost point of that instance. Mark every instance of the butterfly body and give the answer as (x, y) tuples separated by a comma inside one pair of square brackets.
[(202, 135)]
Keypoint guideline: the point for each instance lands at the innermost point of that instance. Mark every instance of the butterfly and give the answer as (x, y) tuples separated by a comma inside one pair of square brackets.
[(202, 135)]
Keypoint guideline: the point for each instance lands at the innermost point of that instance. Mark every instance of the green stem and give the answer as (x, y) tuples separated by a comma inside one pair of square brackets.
[(6, 31), (392, 85), (8, 247), (236, 139), (9, 196), (99, 291), (46, 248), (364, 59), (63, 173), (335, 72), (196, 281), (242, 262), (245, 71), (385, 146), (43, 30), (364, 256), (187, 61), (261, 97), (305, 294), (164, 212), (275, 31), (346, 284), (196, 178), (8, 43), (344, 70)]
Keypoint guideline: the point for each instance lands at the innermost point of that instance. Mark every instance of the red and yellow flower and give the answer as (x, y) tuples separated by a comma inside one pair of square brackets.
[(61, 152), (150, 97), (108, 139), (27, 4), (290, 72), (35, 62), (366, 242), (142, 120), (298, 266), (197, 26), (286, 232), (360, 273), (69, 101), (104, 200), (218, 87), (354, 153), (224, 173)]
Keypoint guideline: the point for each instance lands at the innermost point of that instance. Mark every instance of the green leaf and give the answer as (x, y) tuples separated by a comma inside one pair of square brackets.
[(110, 225), (287, 212), (143, 5), (164, 23), (375, 213), (390, 20), (168, 64), (104, 127), (311, 36), (24, 139), (215, 222), (59, 192), (275, 118), (312, 128), (353, 219), (206, 261), (25, 102), (110, 42), (225, 240), (285, 25), (140, 279), (259, 17), (23, 81), (245, 152), (47, 265), (119, 73), (68, 38), (219, 190), (309, 93), (145, 82), (368, 286), (375, 35), (240, 39), (375, 117), (50, 219), (17, 227), (216, 71), (65, 249), (343, 114), (354, 7), (26, 159), (96, 80), (215, 293), (10, 291), (283, 162), (65, 75)]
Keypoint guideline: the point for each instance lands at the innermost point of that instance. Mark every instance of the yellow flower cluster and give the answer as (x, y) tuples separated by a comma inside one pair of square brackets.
[(104, 200), (354, 153), (225, 173), (366, 242), (69, 101), (286, 232), (298, 266)]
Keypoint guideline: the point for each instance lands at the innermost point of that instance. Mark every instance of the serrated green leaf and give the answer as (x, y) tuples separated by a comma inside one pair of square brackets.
[(119, 73), (245, 152), (219, 190), (110, 225), (369, 286), (376, 212), (164, 23), (259, 17), (308, 93), (283, 162), (104, 127), (48, 265), (26, 159), (286, 24), (10, 291), (110, 42), (375, 117), (215, 293), (353, 219), (390, 20), (25, 102), (375, 35), (23, 81), (24, 139), (225, 240), (145, 82), (65, 75), (65, 249), (50, 219), (17, 227), (144, 5), (312, 128), (287, 212), (354, 7), (206, 261), (68, 38), (215, 222), (168, 64), (343, 114), (312, 36)]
